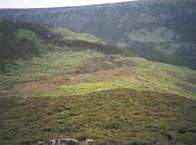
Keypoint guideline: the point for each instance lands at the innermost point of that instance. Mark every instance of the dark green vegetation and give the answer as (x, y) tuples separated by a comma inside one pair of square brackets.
[(119, 116), (17, 42), (159, 30), (58, 83)]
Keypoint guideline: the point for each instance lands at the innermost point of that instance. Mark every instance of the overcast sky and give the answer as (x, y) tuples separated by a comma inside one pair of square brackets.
[(52, 3)]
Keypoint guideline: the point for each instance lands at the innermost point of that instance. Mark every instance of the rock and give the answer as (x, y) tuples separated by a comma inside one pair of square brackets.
[(89, 141), (69, 141), (63, 141)]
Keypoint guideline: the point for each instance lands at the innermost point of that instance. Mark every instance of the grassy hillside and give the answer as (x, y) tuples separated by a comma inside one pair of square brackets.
[(19, 40), (85, 71), (161, 44), (119, 116), (76, 85), (159, 30)]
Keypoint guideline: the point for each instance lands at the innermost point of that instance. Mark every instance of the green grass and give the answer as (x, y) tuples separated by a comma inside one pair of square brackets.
[(82, 88), (26, 34), (144, 75), (47, 64), (70, 35), (173, 78)]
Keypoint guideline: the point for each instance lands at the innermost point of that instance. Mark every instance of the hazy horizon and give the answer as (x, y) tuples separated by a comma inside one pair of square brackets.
[(53, 3)]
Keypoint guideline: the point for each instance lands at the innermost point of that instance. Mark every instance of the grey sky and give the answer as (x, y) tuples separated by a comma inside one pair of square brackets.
[(52, 3)]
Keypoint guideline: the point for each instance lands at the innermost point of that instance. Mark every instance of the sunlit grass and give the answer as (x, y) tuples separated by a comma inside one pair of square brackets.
[(143, 76), (69, 35), (49, 63)]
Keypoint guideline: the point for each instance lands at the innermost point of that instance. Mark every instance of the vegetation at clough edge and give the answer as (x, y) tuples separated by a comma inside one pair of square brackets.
[(84, 92)]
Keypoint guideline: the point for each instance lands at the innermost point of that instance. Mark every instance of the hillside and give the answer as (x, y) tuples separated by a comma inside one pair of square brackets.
[(160, 30), (19, 40), (58, 83)]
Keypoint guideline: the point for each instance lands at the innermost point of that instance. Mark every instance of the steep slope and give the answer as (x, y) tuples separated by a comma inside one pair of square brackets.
[(158, 30), (21, 40)]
